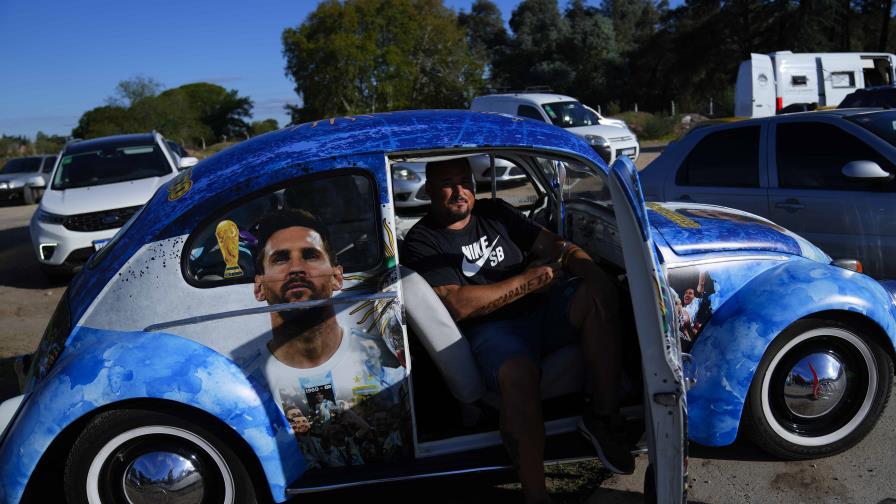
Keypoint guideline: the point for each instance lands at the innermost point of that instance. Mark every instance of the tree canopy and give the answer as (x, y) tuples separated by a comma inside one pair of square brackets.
[(361, 56), (193, 113)]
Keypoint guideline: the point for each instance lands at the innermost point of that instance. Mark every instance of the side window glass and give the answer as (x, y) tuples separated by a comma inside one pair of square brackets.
[(512, 184), (727, 158), (811, 156), (329, 220), (529, 112), (49, 162)]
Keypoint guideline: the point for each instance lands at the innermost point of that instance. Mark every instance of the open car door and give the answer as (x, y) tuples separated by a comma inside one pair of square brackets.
[(665, 405)]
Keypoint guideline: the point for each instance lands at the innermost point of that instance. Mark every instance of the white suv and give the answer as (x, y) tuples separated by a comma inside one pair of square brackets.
[(610, 138), (96, 187)]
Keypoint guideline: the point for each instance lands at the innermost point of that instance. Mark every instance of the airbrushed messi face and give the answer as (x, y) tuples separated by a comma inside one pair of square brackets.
[(296, 268)]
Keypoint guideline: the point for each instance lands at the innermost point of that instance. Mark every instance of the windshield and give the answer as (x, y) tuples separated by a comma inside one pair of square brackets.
[(882, 124), (22, 165), (570, 114), (110, 164)]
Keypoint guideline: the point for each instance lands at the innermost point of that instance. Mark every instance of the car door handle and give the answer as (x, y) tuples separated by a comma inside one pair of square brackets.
[(790, 204)]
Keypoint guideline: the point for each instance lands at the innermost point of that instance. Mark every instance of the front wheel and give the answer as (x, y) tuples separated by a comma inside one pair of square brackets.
[(820, 388), (136, 456)]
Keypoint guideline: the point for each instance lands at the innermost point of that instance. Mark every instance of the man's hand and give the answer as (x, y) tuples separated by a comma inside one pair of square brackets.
[(541, 276)]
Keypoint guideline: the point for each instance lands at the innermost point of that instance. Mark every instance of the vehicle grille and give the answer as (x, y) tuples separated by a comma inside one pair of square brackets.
[(421, 194), (99, 221), (515, 170), (79, 256), (621, 139)]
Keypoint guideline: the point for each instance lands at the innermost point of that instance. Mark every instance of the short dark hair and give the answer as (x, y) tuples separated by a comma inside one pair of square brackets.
[(276, 220), (435, 165)]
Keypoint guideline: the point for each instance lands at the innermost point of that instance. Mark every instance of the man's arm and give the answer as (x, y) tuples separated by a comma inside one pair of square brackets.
[(576, 262), (469, 301)]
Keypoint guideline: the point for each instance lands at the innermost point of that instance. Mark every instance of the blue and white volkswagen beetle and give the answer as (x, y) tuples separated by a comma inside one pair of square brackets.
[(158, 374)]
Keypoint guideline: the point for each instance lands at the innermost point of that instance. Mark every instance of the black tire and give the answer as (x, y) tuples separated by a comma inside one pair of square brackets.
[(111, 442), (796, 417)]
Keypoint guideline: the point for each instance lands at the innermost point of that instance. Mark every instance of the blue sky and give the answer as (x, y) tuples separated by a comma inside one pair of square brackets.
[(62, 59)]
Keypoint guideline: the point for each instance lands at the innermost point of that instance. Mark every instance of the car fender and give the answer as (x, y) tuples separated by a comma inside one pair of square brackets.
[(99, 368), (731, 345)]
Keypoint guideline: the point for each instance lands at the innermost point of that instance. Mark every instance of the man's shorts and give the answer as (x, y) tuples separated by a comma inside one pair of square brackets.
[(535, 335)]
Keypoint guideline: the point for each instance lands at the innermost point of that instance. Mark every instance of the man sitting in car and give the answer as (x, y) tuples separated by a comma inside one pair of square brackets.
[(497, 273)]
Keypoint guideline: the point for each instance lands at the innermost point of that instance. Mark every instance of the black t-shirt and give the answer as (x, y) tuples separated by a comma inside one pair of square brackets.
[(492, 247)]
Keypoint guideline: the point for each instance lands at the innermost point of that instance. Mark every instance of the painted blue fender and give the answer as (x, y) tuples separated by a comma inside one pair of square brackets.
[(732, 344), (102, 367)]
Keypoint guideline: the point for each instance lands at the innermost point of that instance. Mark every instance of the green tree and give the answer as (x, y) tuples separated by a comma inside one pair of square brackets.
[(221, 110), (130, 91), (486, 35), (103, 121), (363, 56), (48, 144), (535, 56), (261, 127)]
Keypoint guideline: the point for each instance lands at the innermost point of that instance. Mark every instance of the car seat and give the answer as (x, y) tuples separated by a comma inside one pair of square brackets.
[(563, 371)]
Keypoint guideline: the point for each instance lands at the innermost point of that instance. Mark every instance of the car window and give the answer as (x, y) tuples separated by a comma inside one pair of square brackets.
[(341, 209), (513, 186), (110, 164), (529, 112), (727, 158), (811, 155), (569, 114), (21, 165), (883, 123), (48, 164)]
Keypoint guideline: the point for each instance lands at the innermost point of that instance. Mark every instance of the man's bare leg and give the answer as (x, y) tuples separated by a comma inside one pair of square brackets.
[(595, 310), (522, 426), (598, 324)]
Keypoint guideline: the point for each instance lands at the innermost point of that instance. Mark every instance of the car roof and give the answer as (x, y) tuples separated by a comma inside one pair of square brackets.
[(75, 147), (539, 98), (736, 122), (390, 133)]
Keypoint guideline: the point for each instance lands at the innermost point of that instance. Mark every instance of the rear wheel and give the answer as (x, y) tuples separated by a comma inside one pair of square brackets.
[(140, 456), (819, 389)]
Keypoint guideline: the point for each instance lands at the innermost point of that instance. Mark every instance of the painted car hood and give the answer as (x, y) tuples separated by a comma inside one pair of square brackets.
[(690, 228), (102, 197)]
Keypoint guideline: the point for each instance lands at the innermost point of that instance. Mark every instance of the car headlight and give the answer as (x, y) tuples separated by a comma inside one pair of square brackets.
[(12, 184), (596, 140), (49, 218), (405, 174), (4, 185)]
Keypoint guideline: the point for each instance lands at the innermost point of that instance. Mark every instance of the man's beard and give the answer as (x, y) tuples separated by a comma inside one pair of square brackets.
[(453, 216)]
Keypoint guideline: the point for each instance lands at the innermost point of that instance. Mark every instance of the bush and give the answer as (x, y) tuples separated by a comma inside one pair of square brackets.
[(649, 126)]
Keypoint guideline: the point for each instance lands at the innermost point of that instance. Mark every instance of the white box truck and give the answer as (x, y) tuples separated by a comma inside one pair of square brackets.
[(767, 83)]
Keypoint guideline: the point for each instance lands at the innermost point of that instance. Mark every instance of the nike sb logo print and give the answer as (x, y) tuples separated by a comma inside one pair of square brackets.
[(476, 253)]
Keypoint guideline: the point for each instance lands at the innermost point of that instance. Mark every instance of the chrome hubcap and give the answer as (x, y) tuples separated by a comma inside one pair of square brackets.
[(163, 477), (815, 385)]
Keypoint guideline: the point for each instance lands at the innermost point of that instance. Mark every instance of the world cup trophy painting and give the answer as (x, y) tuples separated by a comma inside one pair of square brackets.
[(228, 235)]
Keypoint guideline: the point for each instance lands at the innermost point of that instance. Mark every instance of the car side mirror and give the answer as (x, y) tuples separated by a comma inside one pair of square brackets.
[(186, 162), (865, 170), (37, 181)]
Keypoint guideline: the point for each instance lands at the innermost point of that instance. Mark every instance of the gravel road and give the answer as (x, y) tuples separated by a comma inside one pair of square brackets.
[(730, 475)]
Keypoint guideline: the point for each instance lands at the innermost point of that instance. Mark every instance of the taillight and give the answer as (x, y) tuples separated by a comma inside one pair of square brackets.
[(779, 104)]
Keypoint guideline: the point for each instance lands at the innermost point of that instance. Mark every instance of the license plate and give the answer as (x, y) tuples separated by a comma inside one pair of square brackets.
[(628, 152), (98, 244)]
